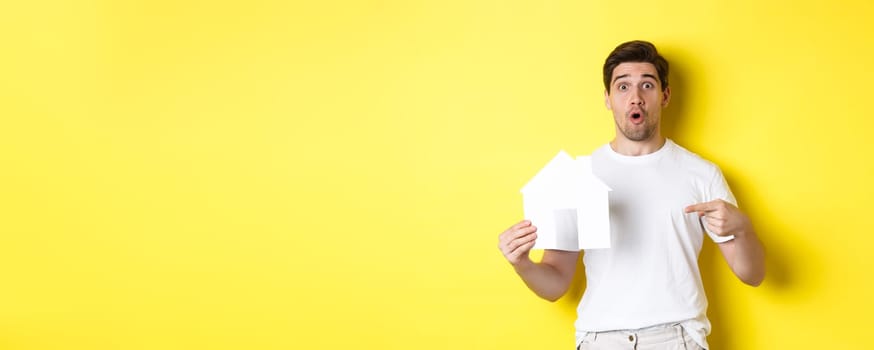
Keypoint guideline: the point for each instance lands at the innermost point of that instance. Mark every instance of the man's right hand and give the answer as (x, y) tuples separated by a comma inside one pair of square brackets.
[(516, 242), (548, 278)]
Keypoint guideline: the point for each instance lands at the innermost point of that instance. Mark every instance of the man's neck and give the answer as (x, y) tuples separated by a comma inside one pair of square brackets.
[(637, 148)]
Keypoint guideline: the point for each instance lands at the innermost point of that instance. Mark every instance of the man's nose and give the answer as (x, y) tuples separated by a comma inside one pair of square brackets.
[(636, 98)]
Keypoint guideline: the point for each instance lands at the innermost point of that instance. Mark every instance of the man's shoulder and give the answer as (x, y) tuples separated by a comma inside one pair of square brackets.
[(601, 150), (691, 160)]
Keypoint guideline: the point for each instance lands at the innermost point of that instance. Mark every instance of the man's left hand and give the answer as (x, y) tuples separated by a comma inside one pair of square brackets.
[(721, 217)]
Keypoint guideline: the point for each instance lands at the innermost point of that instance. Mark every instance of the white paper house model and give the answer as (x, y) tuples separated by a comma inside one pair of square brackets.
[(569, 205)]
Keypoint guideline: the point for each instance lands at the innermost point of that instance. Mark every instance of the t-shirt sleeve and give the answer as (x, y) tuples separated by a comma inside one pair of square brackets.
[(718, 189)]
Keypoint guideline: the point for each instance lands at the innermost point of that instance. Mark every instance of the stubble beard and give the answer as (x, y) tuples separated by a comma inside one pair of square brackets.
[(637, 133)]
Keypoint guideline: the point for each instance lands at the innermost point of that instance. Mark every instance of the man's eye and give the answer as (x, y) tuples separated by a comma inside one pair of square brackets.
[(623, 87), (647, 85)]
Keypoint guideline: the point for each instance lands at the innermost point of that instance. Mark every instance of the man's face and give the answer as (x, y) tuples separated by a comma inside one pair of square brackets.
[(636, 99)]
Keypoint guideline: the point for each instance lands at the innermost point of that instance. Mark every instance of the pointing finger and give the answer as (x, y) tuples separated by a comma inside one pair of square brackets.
[(702, 208)]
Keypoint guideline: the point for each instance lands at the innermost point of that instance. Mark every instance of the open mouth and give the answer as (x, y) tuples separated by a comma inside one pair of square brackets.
[(636, 117)]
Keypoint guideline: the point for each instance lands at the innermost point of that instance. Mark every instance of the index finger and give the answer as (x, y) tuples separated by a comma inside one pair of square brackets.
[(521, 224), (702, 207)]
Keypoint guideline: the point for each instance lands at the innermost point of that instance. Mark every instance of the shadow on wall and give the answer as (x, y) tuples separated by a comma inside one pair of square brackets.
[(781, 278), (673, 115)]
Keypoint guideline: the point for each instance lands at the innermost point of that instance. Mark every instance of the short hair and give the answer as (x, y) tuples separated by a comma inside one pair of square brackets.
[(636, 51)]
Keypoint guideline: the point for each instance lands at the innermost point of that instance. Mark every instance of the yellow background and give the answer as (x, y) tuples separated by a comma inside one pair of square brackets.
[(332, 174)]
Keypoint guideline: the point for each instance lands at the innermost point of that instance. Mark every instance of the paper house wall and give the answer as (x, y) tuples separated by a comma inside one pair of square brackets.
[(569, 205)]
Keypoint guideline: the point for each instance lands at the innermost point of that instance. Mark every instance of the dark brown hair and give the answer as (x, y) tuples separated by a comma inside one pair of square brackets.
[(636, 51)]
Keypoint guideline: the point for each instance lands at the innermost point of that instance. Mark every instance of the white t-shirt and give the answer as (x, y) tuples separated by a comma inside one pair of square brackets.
[(650, 274)]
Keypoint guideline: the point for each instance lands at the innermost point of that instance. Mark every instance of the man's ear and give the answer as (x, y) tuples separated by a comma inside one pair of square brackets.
[(667, 97), (607, 99)]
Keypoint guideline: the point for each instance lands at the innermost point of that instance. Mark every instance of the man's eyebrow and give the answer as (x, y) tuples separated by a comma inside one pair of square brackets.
[(645, 75), (620, 77)]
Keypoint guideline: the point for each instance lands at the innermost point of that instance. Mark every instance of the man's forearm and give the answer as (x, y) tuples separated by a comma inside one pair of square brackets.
[(543, 279), (748, 262)]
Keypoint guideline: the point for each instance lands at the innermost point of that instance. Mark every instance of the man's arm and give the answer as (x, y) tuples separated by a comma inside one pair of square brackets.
[(551, 277), (745, 253)]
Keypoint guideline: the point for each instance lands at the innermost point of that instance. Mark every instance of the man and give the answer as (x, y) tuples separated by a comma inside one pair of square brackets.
[(645, 292)]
